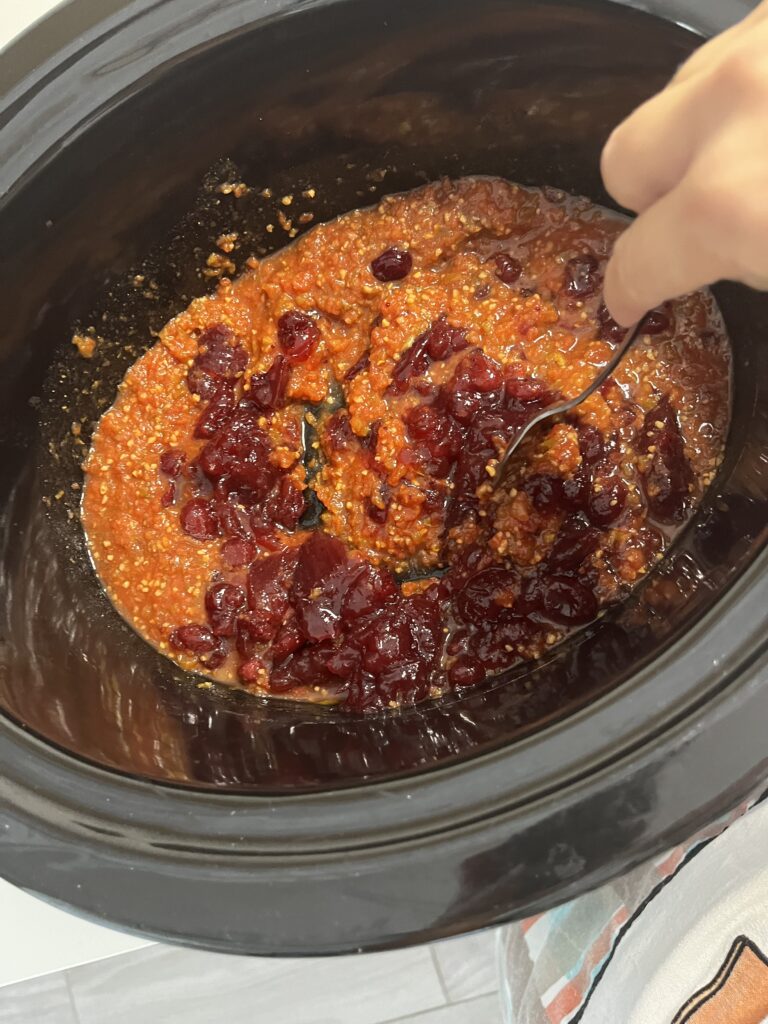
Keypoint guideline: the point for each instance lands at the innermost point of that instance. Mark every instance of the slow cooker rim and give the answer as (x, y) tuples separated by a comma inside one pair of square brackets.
[(466, 792), (63, 831), (94, 15)]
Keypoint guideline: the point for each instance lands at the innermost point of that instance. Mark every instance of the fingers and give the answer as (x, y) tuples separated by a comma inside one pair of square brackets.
[(650, 152), (717, 49), (661, 255)]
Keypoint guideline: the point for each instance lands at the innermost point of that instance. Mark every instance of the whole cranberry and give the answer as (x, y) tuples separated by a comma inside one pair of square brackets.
[(193, 639), (199, 520), (172, 462), (508, 269), (607, 328), (298, 335), (465, 672), (656, 322), (581, 275), (222, 603), (392, 265)]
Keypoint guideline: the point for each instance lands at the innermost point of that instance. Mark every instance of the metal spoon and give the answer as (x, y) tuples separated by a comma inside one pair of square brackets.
[(633, 333)]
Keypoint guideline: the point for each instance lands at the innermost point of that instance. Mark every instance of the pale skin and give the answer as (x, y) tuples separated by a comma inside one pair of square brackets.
[(692, 162)]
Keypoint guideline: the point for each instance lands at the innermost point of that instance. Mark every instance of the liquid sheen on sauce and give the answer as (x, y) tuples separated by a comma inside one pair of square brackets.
[(292, 490)]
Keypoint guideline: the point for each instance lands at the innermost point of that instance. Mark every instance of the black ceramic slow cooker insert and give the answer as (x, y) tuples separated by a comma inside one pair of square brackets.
[(221, 819)]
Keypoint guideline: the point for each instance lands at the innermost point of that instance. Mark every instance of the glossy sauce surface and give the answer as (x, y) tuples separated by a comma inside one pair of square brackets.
[(292, 490)]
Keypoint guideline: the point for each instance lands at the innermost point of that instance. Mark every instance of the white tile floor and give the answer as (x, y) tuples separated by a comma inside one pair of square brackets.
[(452, 982)]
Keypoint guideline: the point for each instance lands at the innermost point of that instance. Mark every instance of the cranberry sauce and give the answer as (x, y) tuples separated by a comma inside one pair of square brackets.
[(294, 488)]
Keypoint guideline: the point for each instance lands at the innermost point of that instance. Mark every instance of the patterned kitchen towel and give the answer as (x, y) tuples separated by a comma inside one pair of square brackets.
[(679, 939)]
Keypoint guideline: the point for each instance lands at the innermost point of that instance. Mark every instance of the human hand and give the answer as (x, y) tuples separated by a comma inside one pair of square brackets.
[(692, 162)]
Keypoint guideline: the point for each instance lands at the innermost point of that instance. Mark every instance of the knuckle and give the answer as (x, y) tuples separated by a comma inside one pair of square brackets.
[(727, 222), (616, 167), (712, 204), (743, 73)]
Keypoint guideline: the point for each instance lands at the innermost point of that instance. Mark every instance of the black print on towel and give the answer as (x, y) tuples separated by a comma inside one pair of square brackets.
[(738, 993)]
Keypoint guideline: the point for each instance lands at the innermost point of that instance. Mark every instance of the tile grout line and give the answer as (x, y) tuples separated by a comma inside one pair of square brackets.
[(439, 972), (422, 1013), (71, 995)]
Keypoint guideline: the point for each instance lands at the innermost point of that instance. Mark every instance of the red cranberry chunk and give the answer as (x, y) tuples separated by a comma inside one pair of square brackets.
[(413, 362), (576, 491), (193, 639), (566, 601), (201, 383), (222, 603), (434, 498), (476, 388), (439, 435), (425, 621), (558, 494), (479, 372), (267, 390), (285, 506), (361, 693), (444, 339), (337, 431), (487, 594), (344, 662), (237, 458), (269, 585), (237, 552), (495, 648), (307, 667), (233, 520), (288, 640), (169, 495), (219, 360), (220, 407), (466, 671), (321, 581), (581, 275), (576, 542), (376, 513), (508, 269), (199, 520), (591, 445), (219, 355), (250, 633), (252, 671), (527, 391), (172, 462), (361, 365), (469, 474), (403, 681), (668, 477), (656, 322), (386, 641), (298, 335), (392, 265), (545, 492), (264, 536), (217, 656), (369, 590), (608, 329), (606, 504)]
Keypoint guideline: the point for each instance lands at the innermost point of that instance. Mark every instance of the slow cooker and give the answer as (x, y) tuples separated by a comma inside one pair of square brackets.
[(220, 819)]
